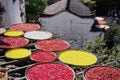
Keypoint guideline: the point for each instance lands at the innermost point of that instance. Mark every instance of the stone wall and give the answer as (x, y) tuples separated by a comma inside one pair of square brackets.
[(14, 12)]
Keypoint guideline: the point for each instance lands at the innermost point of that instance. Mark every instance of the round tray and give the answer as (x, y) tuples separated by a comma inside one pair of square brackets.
[(101, 73), (101, 22), (100, 26), (77, 57), (13, 42), (41, 56), (25, 27), (17, 53), (99, 18), (13, 33), (2, 30), (38, 35), (50, 71), (52, 45)]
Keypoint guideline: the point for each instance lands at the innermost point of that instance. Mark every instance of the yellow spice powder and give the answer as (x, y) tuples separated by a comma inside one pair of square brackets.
[(77, 57), (17, 53), (13, 33)]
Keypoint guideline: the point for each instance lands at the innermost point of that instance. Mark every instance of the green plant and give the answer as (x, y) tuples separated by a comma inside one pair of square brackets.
[(33, 8), (112, 36), (114, 56), (115, 53), (90, 3), (97, 47)]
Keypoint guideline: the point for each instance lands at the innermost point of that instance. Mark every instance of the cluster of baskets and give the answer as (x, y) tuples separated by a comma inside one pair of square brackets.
[(54, 60)]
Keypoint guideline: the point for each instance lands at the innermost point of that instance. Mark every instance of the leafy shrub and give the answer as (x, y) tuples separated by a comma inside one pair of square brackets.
[(114, 54), (112, 36), (90, 3), (99, 48), (33, 8)]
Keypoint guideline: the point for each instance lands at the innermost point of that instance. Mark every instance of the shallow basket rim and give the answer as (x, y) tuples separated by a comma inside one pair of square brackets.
[(35, 44), (24, 23), (41, 61), (76, 64), (49, 63), (85, 71), (38, 31), (18, 58), (27, 41)]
